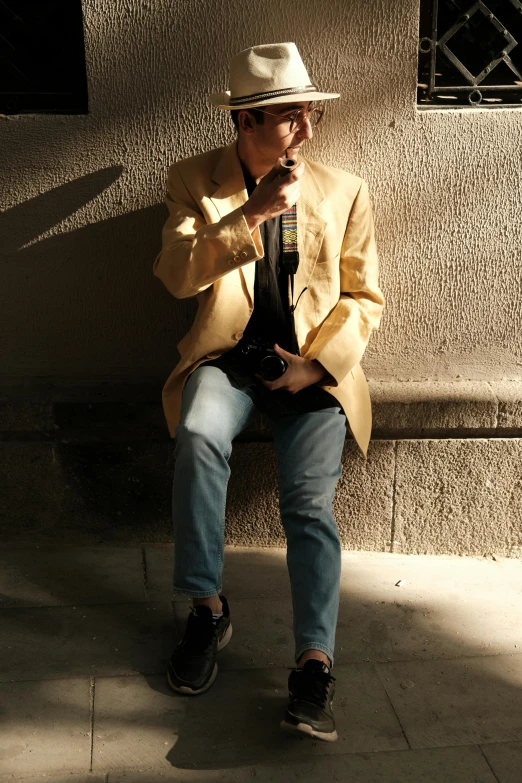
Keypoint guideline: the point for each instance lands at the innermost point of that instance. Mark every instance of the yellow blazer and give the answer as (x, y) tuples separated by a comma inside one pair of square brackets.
[(208, 252)]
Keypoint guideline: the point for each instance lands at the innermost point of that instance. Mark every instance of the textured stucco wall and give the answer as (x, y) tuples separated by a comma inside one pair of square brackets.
[(82, 195)]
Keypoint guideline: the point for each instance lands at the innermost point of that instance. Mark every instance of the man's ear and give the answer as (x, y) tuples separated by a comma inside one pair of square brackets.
[(246, 122)]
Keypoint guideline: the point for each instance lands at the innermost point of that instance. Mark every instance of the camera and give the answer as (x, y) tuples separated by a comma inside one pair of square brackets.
[(262, 358)]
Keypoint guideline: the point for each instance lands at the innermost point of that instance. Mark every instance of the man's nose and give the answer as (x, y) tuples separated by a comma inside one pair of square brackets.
[(305, 131)]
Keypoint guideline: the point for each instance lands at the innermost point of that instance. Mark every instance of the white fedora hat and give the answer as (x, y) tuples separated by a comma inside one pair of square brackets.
[(271, 73)]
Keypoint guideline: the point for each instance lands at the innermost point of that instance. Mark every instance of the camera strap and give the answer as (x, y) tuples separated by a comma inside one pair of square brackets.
[(290, 259), (290, 254)]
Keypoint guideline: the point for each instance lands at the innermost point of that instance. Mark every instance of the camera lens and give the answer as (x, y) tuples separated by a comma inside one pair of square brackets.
[(272, 367)]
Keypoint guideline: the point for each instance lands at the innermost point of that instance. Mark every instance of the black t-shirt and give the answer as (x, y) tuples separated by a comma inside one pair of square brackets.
[(270, 322)]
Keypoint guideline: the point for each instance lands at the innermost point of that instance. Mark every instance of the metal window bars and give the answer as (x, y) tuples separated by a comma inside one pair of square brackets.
[(470, 54)]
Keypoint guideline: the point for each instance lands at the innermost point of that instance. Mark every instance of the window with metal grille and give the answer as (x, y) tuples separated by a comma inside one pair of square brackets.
[(470, 53), (42, 57)]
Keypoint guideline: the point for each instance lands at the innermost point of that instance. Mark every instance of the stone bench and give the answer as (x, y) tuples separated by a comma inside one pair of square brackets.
[(94, 463)]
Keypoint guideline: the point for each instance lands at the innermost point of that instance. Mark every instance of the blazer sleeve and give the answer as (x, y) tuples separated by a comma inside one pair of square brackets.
[(194, 253), (344, 334)]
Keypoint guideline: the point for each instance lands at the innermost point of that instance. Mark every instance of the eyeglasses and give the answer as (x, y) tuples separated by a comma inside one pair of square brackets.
[(298, 117)]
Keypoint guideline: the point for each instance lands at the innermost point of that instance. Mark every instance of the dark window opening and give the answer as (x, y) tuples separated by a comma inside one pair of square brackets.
[(470, 53), (42, 57)]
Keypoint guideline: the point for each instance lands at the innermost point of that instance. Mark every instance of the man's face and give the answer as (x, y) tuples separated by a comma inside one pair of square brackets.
[(274, 137)]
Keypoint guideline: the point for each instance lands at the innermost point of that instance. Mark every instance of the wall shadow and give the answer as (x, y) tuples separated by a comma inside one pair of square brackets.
[(85, 303)]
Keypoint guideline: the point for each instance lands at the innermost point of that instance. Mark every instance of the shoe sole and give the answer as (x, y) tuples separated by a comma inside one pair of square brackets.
[(191, 691), (304, 729)]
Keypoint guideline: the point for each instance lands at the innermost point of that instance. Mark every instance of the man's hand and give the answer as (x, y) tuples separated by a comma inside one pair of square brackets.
[(299, 374), (274, 194)]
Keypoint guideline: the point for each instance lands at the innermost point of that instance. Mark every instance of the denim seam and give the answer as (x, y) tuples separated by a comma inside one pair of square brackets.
[(196, 593), (314, 646)]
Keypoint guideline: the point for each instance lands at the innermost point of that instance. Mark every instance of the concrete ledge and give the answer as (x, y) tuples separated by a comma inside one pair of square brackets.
[(446, 408), (413, 409), (443, 473)]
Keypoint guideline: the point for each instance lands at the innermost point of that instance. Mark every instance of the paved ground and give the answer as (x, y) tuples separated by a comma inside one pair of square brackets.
[(429, 674)]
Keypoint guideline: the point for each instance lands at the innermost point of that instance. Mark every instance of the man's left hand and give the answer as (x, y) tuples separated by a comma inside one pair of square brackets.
[(299, 374)]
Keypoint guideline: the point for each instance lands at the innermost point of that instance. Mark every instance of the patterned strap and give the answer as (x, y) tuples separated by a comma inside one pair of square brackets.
[(290, 259), (290, 254)]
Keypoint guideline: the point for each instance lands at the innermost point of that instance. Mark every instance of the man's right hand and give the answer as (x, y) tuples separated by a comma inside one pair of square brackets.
[(273, 195)]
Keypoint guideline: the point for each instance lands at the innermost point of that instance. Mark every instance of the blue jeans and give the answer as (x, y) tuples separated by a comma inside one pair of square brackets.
[(309, 448)]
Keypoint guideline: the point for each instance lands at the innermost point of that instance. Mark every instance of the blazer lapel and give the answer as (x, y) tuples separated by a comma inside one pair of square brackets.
[(231, 193), (310, 229)]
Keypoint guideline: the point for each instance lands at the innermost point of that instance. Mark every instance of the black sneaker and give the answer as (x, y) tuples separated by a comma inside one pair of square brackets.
[(193, 668), (311, 691)]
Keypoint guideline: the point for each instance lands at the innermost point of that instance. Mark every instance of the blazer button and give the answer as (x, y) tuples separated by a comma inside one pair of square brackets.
[(238, 335), (244, 254), (231, 262), (237, 259)]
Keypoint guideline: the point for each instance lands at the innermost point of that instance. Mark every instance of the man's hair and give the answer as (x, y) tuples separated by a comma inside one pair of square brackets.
[(256, 114)]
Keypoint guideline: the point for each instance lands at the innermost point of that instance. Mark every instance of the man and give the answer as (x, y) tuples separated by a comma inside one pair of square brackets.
[(305, 302)]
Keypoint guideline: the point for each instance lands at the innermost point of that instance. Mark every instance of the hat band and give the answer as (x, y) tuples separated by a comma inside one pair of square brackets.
[(261, 96)]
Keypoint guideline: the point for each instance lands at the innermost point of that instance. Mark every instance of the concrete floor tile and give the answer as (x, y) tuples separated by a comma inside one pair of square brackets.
[(61, 576), (505, 759), (447, 607), (136, 722), (45, 727), (368, 572), (262, 635), (456, 702), (78, 641), (249, 572), (159, 564), (84, 777), (239, 718), (437, 765)]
